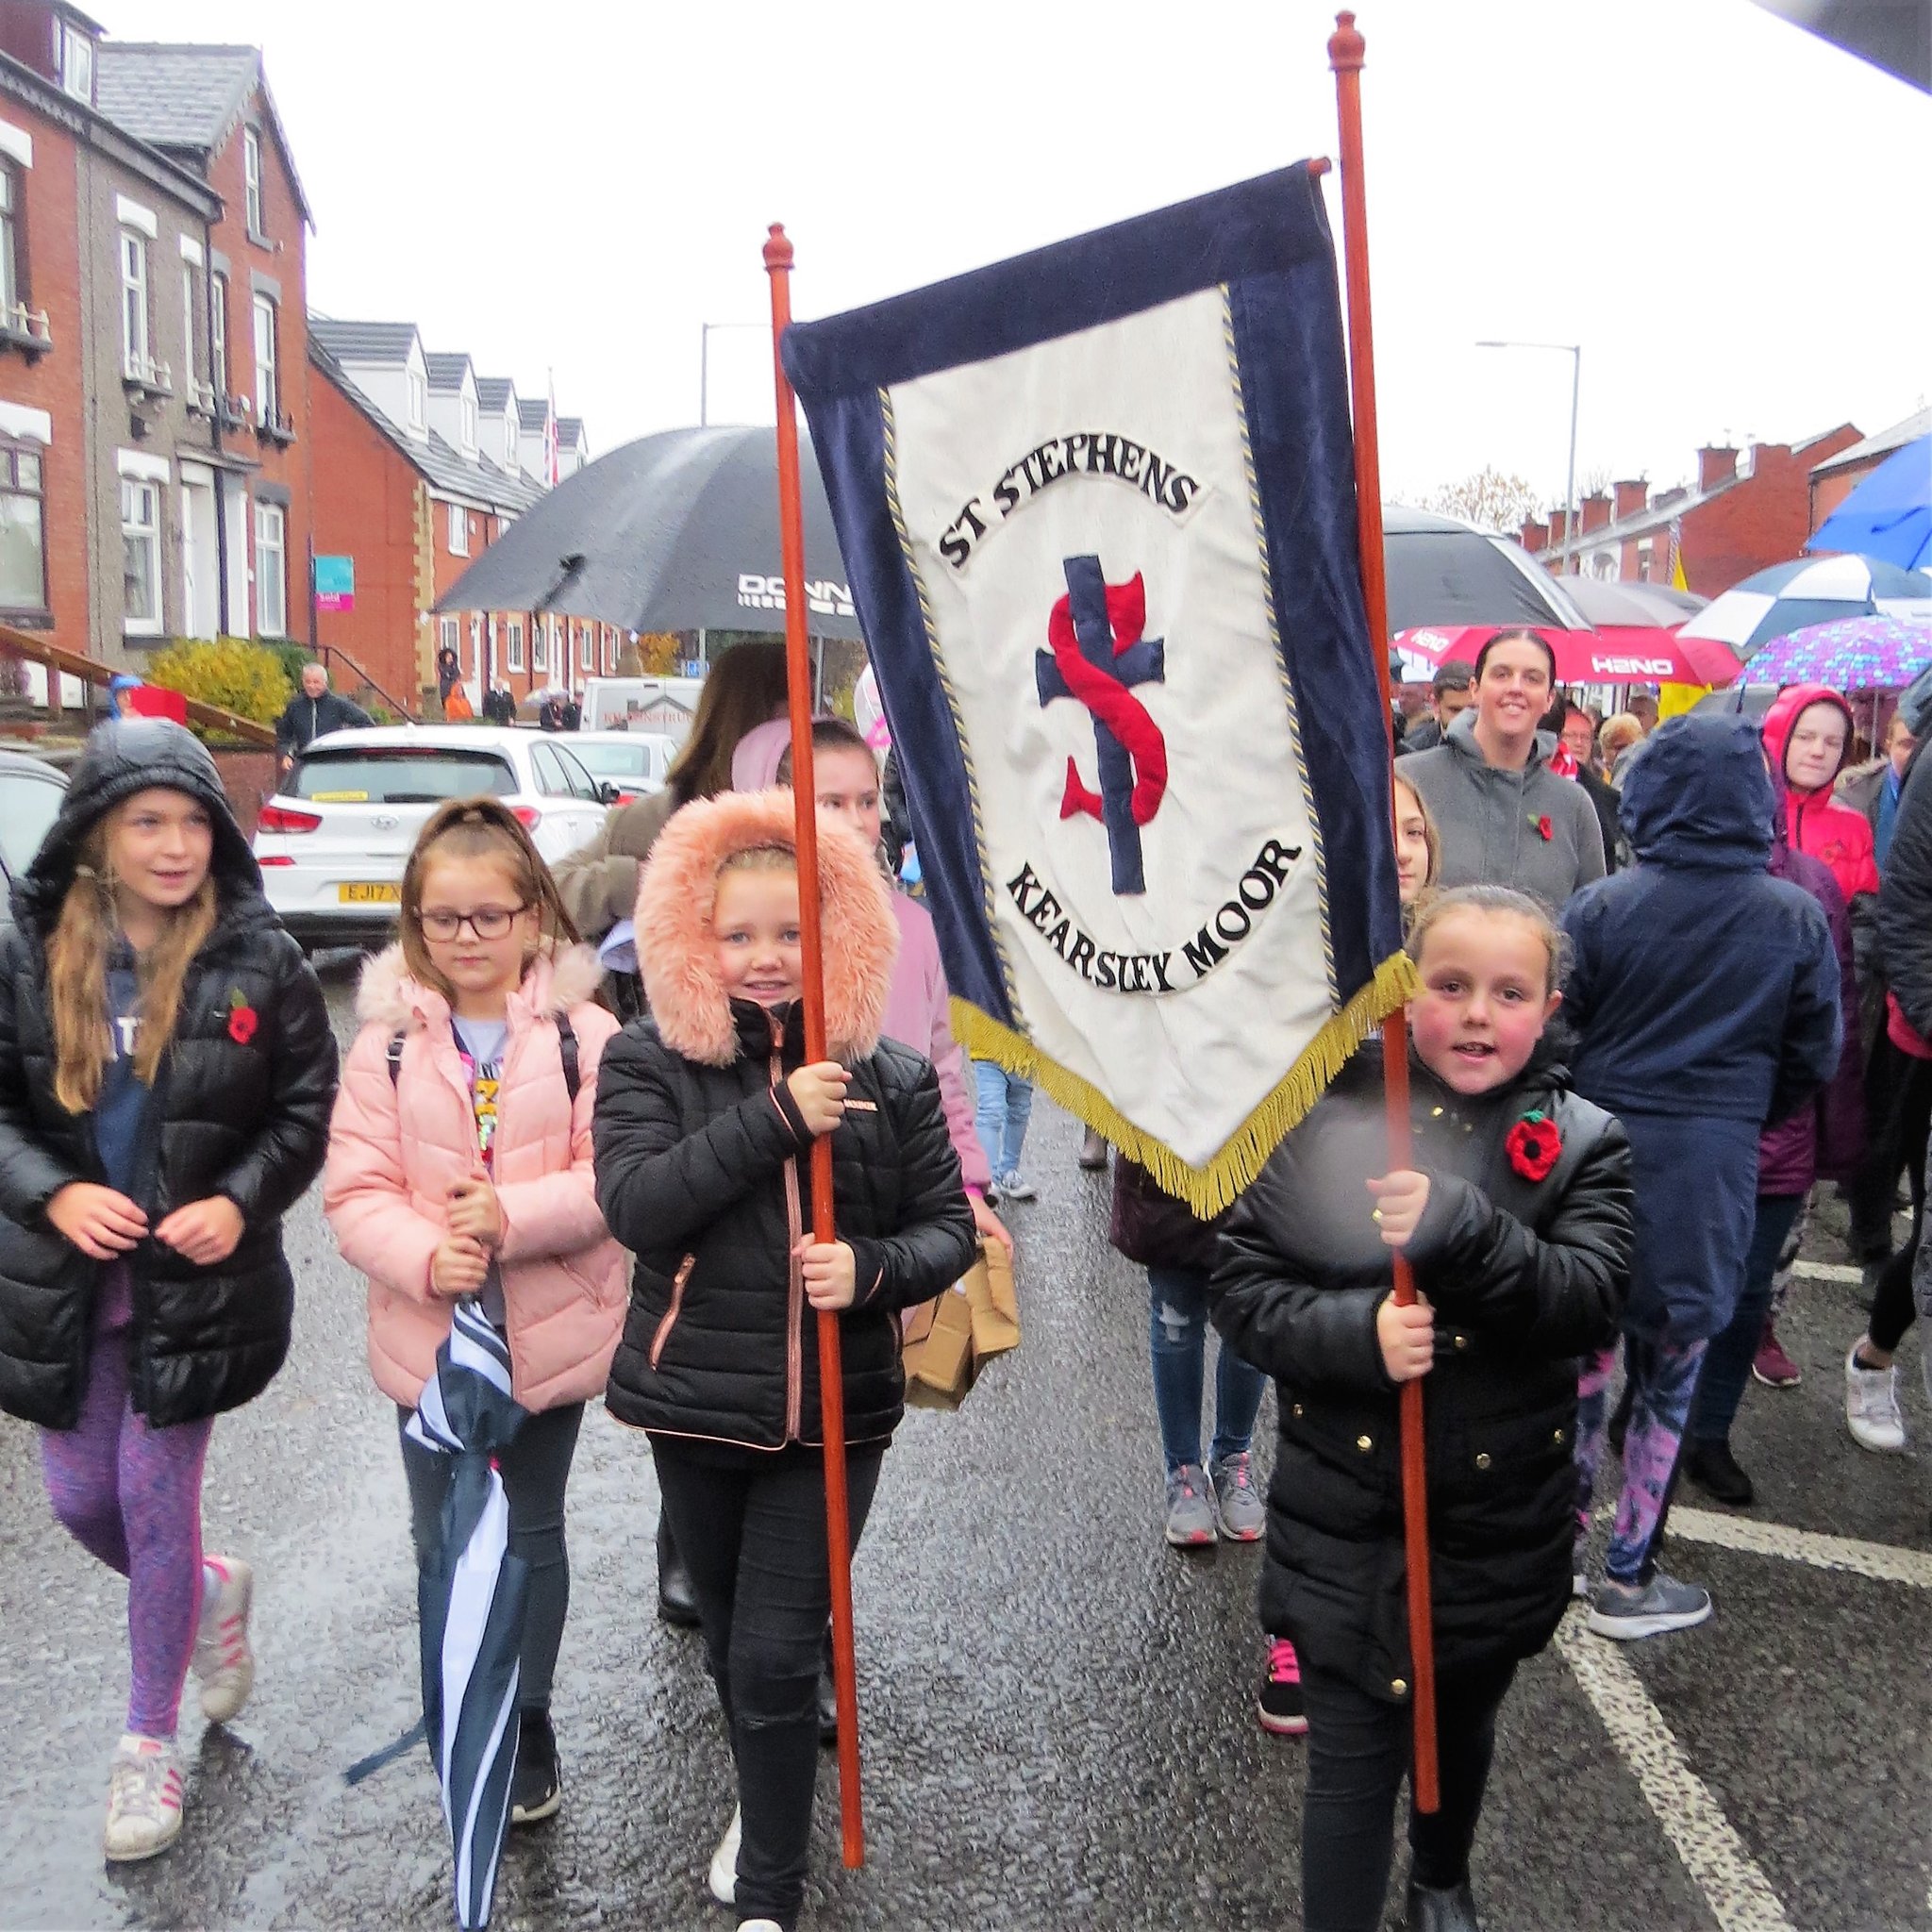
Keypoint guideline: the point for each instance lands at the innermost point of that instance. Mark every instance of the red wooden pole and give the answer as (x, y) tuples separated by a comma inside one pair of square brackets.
[(1346, 49), (805, 796)]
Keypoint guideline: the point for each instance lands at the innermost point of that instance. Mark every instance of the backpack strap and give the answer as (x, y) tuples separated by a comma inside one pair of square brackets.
[(396, 1057), (566, 1045)]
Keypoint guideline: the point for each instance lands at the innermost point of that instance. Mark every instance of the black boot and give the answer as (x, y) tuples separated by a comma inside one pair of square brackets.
[(828, 1695), (536, 1785), (676, 1601), (1450, 1910), (1714, 1470)]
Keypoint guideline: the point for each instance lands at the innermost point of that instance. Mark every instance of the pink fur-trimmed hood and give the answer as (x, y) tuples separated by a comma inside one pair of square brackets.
[(386, 994), (679, 888)]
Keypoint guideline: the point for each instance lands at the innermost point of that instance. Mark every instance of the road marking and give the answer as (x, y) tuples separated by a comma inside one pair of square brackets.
[(1884, 1561), (1827, 1270), (1739, 1897)]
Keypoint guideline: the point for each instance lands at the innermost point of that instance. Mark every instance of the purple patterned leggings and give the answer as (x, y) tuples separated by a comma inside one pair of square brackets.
[(131, 1495), (1663, 1377)]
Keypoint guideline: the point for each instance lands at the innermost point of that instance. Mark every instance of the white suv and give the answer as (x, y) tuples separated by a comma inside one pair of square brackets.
[(333, 840)]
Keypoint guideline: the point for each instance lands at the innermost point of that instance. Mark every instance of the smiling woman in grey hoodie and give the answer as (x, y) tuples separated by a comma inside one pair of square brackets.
[(1503, 816)]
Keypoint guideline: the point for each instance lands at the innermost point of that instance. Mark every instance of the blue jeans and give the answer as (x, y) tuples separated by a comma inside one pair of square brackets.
[(1177, 1339), (1006, 1105), (1727, 1361)]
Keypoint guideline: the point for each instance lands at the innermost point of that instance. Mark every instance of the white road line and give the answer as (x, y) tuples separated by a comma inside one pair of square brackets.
[(1884, 1561), (1827, 1270), (1739, 1897)]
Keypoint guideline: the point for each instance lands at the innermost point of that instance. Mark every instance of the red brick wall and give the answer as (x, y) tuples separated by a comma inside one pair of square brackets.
[(1763, 519), (55, 381)]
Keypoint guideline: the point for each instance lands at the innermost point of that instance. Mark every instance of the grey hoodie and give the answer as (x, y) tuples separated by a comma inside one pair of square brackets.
[(1490, 820)]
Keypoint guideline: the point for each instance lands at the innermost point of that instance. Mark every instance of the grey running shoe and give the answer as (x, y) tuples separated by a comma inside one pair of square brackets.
[(1190, 1507), (1662, 1604), (1014, 1186), (1243, 1515)]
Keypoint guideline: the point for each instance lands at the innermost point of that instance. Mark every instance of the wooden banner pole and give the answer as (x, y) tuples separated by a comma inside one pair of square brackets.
[(779, 258), (1346, 49)]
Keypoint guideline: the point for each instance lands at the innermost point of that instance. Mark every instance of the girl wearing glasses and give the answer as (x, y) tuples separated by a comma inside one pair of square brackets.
[(459, 1164)]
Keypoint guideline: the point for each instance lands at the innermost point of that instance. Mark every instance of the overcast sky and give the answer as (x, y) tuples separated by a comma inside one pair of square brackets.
[(1727, 214)]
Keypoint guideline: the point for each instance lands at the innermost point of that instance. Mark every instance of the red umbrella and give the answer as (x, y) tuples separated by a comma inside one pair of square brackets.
[(1617, 654)]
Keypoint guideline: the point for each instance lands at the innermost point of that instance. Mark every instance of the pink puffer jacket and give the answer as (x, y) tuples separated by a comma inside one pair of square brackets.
[(395, 1146)]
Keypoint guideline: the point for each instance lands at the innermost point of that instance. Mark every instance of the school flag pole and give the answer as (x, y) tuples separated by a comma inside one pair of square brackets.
[(778, 257), (1346, 49)]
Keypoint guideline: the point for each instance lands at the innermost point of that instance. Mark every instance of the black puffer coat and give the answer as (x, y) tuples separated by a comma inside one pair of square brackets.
[(1524, 1277), (244, 1119), (701, 1171)]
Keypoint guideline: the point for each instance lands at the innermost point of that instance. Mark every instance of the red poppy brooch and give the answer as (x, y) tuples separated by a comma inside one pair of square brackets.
[(243, 1018), (1544, 830), (1533, 1146)]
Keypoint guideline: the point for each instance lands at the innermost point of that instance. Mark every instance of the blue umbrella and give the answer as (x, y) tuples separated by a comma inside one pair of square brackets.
[(1890, 514), (471, 1596), (1809, 589)]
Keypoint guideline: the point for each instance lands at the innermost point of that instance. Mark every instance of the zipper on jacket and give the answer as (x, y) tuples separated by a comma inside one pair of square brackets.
[(794, 1269), (671, 1314)]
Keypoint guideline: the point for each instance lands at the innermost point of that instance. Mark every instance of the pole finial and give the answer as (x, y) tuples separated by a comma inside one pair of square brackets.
[(778, 248), (1346, 47)]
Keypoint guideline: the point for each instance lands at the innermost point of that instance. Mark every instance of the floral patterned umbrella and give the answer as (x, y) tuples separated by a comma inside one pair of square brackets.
[(1875, 653)]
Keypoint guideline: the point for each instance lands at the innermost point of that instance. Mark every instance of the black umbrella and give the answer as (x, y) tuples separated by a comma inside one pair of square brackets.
[(471, 1596), (675, 531), (1442, 572)]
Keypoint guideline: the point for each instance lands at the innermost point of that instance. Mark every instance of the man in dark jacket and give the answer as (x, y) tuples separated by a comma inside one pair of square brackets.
[(1451, 690), (315, 712), (1706, 996)]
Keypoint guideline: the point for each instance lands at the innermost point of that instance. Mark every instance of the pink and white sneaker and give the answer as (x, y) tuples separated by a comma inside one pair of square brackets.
[(143, 1799), (1279, 1706), (223, 1661)]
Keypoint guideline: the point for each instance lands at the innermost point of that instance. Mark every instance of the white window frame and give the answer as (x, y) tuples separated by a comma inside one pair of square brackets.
[(586, 649), (251, 175), (218, 328), (190, 360), (268, 397), (510, 440), (451, 636), (10, 243), (418, 400), (468, 411), (23, 476), (137, 362), (458, 530), (540, 642), (76, 65), (513, 645), (140, 524), (271, 541)]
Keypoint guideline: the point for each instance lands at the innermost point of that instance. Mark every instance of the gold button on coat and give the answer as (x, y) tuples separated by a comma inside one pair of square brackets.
[(1482, 1460), (1364, 1444), (1400, 1686)]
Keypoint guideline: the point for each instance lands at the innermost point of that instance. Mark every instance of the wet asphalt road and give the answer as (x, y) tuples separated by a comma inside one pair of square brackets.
[(1056, 1709)]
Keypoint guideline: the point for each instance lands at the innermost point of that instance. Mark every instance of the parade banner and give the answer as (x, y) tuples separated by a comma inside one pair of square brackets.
[(1097, 508)]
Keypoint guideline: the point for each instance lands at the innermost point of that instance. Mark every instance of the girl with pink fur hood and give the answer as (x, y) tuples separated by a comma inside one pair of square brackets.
[(706, 1114), (459, 1164)]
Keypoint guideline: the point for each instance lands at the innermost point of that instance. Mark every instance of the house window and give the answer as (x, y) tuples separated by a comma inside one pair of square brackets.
[(271, 569), (190, 360), (540, 645), (137, 364), (23, 531), (516, 644), (458, 530), (469, 411), (251, 171), (419, 399), (76, 65), (141, 556), (267, 404), (586, 656), (218, 330), (510, 440), (452, 634), (12, 281)]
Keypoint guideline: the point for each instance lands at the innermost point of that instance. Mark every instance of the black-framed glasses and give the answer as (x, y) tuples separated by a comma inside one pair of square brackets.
[(486, 921)]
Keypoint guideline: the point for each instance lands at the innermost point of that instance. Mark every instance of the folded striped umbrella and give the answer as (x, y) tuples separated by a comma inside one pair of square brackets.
[(1809, 589), (470, 1595)]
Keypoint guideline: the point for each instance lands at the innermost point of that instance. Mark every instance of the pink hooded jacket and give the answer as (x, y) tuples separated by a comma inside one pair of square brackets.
[(919, 1005), (395, 1145)]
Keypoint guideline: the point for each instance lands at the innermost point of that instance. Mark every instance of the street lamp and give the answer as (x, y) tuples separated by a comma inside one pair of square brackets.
[(705, 362), (1574, 351)]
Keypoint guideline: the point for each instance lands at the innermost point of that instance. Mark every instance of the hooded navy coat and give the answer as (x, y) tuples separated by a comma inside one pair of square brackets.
[(244, 1116), (1705, 995)]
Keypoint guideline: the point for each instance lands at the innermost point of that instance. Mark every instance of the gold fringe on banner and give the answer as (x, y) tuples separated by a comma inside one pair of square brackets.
[(1206, 1189)]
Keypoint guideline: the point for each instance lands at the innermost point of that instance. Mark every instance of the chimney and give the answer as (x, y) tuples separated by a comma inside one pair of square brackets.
[(1533, 535), (1558, 521), (1596, 511), (1716, 463), (1632, 498)]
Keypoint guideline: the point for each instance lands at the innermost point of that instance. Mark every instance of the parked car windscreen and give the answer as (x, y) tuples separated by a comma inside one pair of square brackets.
[(407, 774), (28, 805), (615, 760)]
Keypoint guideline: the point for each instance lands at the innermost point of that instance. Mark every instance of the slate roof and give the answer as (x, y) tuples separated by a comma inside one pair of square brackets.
[(186, 98), (532, 412), (492, 391), (446, 370), (363, 341), (570, 429), (447, 471), (1907, 430)]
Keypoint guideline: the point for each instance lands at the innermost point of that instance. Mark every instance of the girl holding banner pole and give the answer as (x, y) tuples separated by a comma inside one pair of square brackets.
[(1516, 1219)]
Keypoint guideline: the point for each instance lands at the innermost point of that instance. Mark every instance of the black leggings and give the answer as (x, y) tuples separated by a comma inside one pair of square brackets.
[(752, 1527), (1892, 1299), (1360, 1749)]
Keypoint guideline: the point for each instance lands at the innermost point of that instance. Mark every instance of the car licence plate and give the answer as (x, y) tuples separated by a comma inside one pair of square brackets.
[(369, 894)]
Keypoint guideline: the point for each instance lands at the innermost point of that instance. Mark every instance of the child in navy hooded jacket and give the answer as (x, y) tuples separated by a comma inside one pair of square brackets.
[(1706, 996)]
